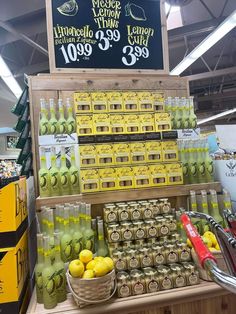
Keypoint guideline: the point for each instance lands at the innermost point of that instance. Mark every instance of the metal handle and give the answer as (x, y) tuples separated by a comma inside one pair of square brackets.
[(201, 250)]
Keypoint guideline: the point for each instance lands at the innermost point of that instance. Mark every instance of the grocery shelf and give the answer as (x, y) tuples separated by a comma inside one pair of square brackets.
[(128, 195), (205, 290)]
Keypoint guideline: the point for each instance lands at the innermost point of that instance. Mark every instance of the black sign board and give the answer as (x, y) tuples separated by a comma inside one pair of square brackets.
[(105, 34)]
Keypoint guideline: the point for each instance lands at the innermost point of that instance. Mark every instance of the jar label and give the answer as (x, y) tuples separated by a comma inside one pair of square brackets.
[(165, 209), (115, 236), (164, 230), (185, 256), (146, 261), (127, 235), (136, 215), (133, 263), (159, 259), (111, 217), (140, 234), (138, 288), (152, 232), (166, 283), (172, 257), (193, 279), (120, 265), (153, 286), (180, 281), (124, 291), (124, 215), (147, 213)]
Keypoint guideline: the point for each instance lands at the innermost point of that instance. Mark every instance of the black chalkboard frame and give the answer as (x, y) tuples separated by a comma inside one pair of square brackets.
[(51, 49)]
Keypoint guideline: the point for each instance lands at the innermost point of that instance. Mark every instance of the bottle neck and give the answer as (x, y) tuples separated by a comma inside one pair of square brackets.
[(61, 112), (53, 162), (63, 161), (100, 233), (40, 255), (53, 113), (57, 253), (67, 225), (43, 162), (47, 258), (72, 160), (69, 111)]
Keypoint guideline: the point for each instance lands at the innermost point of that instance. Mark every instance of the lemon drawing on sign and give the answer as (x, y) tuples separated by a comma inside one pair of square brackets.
[(69, 8), (136, 12)]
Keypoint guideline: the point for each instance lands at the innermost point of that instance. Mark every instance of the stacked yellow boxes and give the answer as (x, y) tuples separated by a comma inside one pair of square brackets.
[(14, 269)]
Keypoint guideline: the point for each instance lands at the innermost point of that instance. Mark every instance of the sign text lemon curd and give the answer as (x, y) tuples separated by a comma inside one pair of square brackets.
[(139, 35)]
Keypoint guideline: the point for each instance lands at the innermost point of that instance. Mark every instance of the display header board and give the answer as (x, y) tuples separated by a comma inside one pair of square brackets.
[(106, 34)]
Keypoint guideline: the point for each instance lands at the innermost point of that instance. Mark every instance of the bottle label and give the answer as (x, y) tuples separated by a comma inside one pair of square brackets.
[(44, 128), (39, 281), (153, 286), (77, 246), (65, 179), (55, 180), (49, 291), (71, 127), (74, 179), (89, 243), (44, 181), (62, 127), (53, 127)]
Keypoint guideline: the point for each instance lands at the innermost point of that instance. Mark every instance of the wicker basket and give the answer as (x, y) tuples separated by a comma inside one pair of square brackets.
[(220, 263), (92, 291)]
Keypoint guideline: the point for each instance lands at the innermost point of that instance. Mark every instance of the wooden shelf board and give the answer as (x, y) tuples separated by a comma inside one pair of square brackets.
[(128, 195), (205, 290)]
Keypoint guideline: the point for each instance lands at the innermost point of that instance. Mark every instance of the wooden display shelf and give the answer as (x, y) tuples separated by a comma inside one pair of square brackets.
[(147, 303), (128, 195)]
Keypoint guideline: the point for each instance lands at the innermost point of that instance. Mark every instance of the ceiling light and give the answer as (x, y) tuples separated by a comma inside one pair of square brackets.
[(223, 29), (9, 79), (217, 116)]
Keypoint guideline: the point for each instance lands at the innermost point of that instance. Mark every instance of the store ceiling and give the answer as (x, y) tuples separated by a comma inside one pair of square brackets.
[(23, 23)]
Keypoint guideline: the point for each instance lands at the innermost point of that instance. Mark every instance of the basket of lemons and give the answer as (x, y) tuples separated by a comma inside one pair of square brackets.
[(91, 280)]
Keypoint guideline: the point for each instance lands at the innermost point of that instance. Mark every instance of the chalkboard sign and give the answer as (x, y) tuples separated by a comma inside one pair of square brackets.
[(105, 34)]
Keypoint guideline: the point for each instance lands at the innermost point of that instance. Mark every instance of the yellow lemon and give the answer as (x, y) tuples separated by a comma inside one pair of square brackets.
[(109, 262), (217, 247), (99, 258), (207, 241), (212, 249), (76, 268), (189, 243), (211, 236), (85, 256), (88, 274), (91, 264), (101, 269)]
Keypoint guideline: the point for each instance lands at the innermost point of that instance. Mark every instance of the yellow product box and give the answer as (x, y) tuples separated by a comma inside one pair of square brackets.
[(141, 177), (147, 122), (132, 123), (108, 179), (115, 102), (170, 151), (88, 155), (82, 102), (89, 180), (99, 102), (117, 124), (130, 101), (84, 125), (105, 155), (13, 212), (158, 175), (13, 273), (163, 121), (154, 151), (158, 102), (145, 101), (174, 173), (138, 152), (125, 178), (101, 123), (122, 153)]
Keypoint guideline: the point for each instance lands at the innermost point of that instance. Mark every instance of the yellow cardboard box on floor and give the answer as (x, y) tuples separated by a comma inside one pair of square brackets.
[(13, 212), (14, 270)]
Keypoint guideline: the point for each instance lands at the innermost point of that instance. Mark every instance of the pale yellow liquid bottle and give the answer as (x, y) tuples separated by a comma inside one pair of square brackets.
[(64, 174), (70, 122), (59, 267), (43, 122), (77, 236), (88, 231), (55, 177), (74, 174), (53, 120), (48, 273), (66, 239), (44, 176), (61, 123), (39, 269), (51, 233), (102, 246)]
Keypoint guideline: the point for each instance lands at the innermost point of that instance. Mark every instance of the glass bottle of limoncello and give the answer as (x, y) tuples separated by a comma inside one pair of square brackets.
[(57, 218), (194, 207), (53, 120), (208, 163), (49, 285), (180, 228), (102, 246), (70, 122), (61, 123), (43, 122), (214, 209), (51, 233), (66, 239), (185, 113), (205, 210), (88, 235), (55, 174), (178, 114), (59, 267), (39, 268), (192, 116), (44, 176), (193, 170), (74, 174), (77, 236), (201, 162), (64, 174), (72, 218), (94, 227)]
